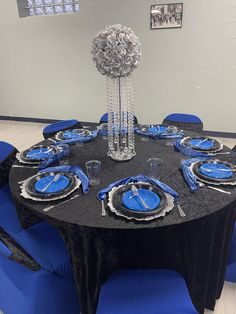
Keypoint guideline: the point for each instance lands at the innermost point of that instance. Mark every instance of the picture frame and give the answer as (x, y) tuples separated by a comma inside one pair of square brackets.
[(164, 16)]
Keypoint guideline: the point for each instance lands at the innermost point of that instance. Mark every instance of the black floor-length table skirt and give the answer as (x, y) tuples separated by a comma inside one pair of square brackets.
[(195, 245)]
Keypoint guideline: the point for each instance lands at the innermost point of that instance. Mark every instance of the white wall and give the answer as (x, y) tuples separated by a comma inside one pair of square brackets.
[(46, 69)]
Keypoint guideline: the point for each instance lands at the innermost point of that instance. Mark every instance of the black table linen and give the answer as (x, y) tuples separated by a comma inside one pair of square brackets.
[(196, 245)]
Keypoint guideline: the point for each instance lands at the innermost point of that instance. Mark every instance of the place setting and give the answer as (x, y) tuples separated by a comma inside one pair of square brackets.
[(200, 146), (200, 172), (142, 197), (54, 183), (73, 136), (159, 131)]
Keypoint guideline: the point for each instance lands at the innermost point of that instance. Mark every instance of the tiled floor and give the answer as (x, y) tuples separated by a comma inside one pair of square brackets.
[(25, 134)]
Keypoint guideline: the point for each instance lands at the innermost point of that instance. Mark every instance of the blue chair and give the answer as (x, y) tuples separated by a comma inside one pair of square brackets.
[(104, 119), (230, 274), (35, 268), (51, 129), (149, 291), (7, 157), (184, 121)]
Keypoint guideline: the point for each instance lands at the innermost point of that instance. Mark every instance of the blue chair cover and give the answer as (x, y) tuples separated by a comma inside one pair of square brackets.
[(149, 291), (231, 267), (5, 150), (8, 217), (185, 121), (53, 128), (26, 292), (4, 250), (104, 118), (50, 290)]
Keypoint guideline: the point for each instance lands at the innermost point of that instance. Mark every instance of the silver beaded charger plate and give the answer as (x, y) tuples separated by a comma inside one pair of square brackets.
[(22, 156), (78, 133), (112, 204), (27, 195), (218, 145), (210, 180)]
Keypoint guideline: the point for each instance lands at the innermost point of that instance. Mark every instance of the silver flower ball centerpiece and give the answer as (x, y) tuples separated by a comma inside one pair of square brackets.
[(116, 52)]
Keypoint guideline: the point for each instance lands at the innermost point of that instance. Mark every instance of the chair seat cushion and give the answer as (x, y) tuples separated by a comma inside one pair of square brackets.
[(27, 292), (149, 291), (59, 126)]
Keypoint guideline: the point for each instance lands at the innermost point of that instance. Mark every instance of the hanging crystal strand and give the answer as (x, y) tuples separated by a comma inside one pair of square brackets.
[(120, 118), (110, 105), (125, 115), (131, 113)]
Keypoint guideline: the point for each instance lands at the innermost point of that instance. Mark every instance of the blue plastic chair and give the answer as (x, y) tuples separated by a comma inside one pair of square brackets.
[(35, 269), (230, 274), (51, 129), (185, 121), (104, 119), (149, 291)]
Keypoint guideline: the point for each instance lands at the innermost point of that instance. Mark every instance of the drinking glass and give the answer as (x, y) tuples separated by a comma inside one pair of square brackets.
[(154, 167), (63, 148), (144, 128), (171, 130), (93, 169)]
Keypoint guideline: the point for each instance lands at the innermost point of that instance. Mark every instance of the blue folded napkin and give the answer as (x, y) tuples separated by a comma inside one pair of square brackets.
[(54, 158), (189, 176), (76, 170), (78, 139), (187, 151), (139, 178)]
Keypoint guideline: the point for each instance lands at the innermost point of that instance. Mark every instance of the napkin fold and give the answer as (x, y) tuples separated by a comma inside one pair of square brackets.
[(139, 178), (79, 139), (76, 170), (187, 151), (189, 176)]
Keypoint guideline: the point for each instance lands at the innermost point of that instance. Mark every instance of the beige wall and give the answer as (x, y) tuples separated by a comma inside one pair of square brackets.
[(46, 69)]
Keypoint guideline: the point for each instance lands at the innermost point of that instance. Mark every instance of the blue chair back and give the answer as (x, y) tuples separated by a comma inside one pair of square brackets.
[(147, 291), (104, 119), (52, 129), (185, 121)]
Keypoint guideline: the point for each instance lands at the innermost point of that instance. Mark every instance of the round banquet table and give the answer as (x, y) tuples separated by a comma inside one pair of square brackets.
[(196, 246)]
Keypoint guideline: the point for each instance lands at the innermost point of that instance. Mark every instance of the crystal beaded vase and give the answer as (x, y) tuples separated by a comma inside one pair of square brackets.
[(120, 101)]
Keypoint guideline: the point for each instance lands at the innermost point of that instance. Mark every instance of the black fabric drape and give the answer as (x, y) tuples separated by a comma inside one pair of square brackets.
[(5, 167), (195, 245)]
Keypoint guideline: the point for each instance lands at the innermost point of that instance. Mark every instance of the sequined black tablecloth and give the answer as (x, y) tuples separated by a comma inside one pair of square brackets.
[(196, 245)]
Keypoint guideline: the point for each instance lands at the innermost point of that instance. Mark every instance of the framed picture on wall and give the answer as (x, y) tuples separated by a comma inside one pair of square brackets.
[(166, 15)]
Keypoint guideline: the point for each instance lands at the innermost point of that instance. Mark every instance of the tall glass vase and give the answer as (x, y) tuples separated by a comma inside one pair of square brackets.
[(120, 100)]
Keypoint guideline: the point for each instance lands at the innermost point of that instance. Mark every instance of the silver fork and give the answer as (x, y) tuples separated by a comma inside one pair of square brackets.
[(136, 193), (55, 179)]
